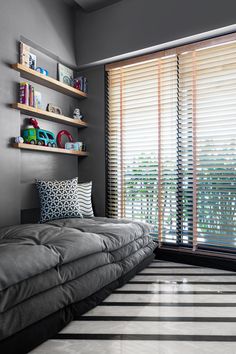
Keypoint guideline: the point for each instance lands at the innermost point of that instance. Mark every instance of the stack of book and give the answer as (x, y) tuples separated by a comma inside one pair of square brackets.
[(29, 96), (81, 83)]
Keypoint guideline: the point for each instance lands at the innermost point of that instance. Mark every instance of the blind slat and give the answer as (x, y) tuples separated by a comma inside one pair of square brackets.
[(171, 143)]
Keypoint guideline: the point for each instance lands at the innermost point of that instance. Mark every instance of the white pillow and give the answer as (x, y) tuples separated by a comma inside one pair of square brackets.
[(85, 202)]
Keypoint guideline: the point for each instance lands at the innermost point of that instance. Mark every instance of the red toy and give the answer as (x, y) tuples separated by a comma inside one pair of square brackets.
[(34, 122), (59, 138)]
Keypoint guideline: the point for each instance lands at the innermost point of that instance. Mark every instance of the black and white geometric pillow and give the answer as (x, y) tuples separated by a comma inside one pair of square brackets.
[(58, 199), (85, 193)]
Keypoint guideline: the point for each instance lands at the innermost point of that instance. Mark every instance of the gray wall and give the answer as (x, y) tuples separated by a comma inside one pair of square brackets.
[(132, 25), (49, 24), (93, 167), (124, 27)]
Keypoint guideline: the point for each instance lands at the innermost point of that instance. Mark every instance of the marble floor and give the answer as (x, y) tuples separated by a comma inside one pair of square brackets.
[(168, 308)]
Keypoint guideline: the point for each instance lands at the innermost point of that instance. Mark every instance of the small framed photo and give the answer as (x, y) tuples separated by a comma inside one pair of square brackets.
[(65, 75), (32, 61)]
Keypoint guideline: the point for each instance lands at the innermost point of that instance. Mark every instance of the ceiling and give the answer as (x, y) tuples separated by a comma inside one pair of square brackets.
[(93, 5)]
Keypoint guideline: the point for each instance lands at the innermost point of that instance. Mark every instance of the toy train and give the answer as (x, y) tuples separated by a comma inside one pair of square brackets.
[(38, 136)]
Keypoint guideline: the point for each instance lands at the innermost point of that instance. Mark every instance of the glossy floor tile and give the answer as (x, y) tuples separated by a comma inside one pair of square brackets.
[(185, 270), (138, 327), (174, 311), (168, 308), (186, 278), (174, 298), (133, 347), (173, 287)]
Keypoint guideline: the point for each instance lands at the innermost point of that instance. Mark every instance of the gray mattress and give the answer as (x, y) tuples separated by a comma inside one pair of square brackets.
[(45, 267)]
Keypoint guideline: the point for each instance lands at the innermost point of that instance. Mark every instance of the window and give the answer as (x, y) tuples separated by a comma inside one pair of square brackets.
[(50, 137), (171, 143), (42, 135)]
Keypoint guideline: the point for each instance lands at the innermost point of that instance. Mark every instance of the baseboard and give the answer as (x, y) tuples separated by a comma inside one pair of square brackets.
[(199, 258)]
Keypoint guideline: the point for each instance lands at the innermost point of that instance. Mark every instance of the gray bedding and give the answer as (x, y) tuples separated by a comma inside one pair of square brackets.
[(44, 267)]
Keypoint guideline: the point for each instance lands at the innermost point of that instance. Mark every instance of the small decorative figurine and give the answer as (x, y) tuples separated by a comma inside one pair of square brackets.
[(53, 109), (19, 139), (77, 114)]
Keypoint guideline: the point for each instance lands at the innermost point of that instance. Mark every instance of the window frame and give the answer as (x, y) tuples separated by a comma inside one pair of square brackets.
[(165, 53)]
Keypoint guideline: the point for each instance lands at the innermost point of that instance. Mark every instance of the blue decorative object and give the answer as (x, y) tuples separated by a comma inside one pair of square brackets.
[(42, 71), (76, 146)]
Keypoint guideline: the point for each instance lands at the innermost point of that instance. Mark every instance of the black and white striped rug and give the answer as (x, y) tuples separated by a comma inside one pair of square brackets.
[(168, 308)]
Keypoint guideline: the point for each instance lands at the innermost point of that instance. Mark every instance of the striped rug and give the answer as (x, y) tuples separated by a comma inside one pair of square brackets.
[(167, 308)]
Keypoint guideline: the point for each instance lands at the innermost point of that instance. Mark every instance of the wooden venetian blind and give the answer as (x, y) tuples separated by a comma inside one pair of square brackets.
[(208, 138), (171, 143), (142, 141)]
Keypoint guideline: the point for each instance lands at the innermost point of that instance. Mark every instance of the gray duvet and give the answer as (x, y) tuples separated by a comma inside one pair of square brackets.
[(45, 267)]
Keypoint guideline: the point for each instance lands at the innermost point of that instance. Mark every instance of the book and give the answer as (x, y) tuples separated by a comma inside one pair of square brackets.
[(37, 99), (24, 93), (24, 54), (29, 102), (85, 83), (31, 96), (81, 83)]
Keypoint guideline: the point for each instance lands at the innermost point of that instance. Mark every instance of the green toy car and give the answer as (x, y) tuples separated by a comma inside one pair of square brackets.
[(39, 137)]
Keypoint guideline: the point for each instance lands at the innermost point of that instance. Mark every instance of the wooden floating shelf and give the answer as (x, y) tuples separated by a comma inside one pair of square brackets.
[(40, 113), (47, 81), (49, 149)]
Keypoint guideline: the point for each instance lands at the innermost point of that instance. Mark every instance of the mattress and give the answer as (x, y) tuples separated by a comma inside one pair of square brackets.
[(45, 267)]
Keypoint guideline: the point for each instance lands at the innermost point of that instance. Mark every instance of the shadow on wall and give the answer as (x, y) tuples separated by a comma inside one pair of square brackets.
[(65, 34)]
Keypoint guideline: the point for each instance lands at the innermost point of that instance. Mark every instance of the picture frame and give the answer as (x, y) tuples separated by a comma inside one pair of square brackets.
[(65, 74)]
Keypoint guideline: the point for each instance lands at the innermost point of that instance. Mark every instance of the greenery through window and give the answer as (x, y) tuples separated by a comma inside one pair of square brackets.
[(171, 143)]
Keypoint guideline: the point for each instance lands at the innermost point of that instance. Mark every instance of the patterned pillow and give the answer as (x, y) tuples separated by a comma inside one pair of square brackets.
[(84, 194), (58, 199)]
